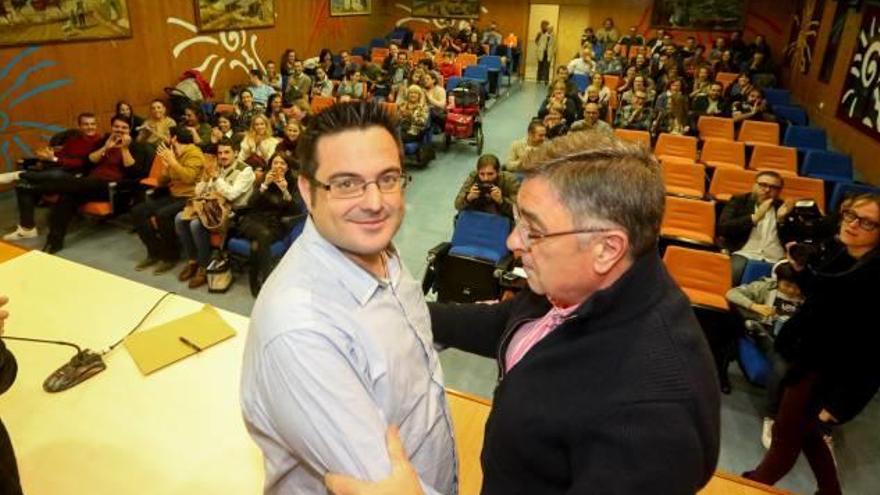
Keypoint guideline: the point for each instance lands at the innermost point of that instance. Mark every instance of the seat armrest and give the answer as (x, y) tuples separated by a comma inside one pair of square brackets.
[(441, 249)]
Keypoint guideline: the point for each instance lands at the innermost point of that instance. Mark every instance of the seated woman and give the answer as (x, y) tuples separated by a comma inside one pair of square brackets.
[(639, 85), (246, 108), (554, 121), (558, 95), (193, 121), (726, 63), (124, 110), (593, 95), (598, 83), (223, 129), (157, 128), (275, 197), (739, 91), (276, 115), (413, 114), (287, 147), (436, 96), (322, 86), (702, 82), (674, 119), (258, 143)]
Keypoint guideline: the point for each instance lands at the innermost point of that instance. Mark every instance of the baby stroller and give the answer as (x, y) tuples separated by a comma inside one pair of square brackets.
[(463, 120)]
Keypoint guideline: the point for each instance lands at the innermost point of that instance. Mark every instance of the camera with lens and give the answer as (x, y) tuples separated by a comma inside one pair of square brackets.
[(485, 188)]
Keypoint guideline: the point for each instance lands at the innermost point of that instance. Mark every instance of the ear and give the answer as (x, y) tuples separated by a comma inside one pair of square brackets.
[(305, 190), (609, 251)]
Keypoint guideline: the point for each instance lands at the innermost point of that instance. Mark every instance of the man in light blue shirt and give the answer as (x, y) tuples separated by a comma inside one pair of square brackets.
[(260, 90), (340, 346)]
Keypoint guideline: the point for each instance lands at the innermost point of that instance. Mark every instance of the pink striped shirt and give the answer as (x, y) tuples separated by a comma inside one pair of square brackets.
[(531, 333)]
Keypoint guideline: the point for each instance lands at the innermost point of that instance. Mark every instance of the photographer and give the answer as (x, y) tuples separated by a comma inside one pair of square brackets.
[(833, 370), (488, 189)]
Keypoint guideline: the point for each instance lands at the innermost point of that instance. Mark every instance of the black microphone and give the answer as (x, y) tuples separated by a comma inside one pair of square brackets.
[(82, 366)]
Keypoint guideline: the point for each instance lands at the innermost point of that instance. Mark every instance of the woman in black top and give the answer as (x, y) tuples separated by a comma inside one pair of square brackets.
[(124, 109), (274, 198), (830, 345)]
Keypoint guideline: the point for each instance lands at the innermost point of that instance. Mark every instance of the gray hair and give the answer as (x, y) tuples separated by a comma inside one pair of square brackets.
[(598, 177)]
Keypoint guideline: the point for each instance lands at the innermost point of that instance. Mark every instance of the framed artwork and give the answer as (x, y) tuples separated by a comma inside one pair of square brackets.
[(859, 104), (53, 21), (350, 7), (223, 15), (804, 28), (833, 44), (449, 9), (712, 15)]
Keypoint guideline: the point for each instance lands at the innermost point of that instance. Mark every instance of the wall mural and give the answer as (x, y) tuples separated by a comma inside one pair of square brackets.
[(43, 21), (833, 44), (234, 50), (434, 22), (804, 30), (15, 89), (699, 14), (860, 100), (461, 9)]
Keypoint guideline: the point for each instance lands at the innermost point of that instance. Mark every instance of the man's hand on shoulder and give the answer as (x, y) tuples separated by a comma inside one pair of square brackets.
[(403, 479)]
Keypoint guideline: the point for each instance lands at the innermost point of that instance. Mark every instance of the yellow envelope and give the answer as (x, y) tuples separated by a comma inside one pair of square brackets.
[(168, 343)]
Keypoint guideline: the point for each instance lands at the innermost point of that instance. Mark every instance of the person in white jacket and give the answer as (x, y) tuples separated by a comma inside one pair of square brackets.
[(232, 180), (545, 42)]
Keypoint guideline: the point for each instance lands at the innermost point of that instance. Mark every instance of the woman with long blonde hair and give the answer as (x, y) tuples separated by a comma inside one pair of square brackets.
[(258, 143), (412, 114)]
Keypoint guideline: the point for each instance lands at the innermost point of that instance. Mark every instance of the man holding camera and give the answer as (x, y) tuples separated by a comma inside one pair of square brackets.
[(749, 223), (488, 189)]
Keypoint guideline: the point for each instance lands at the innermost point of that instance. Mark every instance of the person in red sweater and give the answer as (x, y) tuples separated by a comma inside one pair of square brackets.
[(106, 164), (51, 165)]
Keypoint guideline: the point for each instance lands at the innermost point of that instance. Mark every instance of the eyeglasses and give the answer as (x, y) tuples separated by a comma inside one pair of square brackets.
[(766, 185), (530, 238), (355, 187), (865, 224)]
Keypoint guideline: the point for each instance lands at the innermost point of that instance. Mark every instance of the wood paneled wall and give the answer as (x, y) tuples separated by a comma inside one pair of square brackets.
[(136, 69), (821, 99)]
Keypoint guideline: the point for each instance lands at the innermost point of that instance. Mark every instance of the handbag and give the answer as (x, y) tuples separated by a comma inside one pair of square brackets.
[(212, 210)]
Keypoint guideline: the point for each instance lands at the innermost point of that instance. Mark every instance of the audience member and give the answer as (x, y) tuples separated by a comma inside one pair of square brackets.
[(287, 147), (436, 97), (352, 86), (322, 86), (739, 90), (555, 121), (274, 198), (275, 114), (223, 129), (193, 122), (124, 110), (182, 165), (259, 89), (272, 77), (726, 63), (157, 128), (675, 118), (558, 96), (608, 35), (522, 147), (258, 143), (413, 115), (639, 84), (702, 82), (592, 120), (488, 189), (225, 178), (610, 65), (545, 43), (712, 103), (299, 85), (583, 65), (637, 116), (755, 107), (765, 305), (245, 110), (748, 224)]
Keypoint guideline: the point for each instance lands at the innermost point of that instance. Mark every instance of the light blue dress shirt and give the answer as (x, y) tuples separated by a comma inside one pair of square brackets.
[(333, 357)]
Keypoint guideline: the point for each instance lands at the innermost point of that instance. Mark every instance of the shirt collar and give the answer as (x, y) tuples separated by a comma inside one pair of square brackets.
[(356, 280)]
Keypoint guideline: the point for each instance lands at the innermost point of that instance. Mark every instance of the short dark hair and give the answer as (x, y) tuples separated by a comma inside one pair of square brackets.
[(226, 142), (771, 173), (534, 124), (338, 118), (784, 271), (257, 73), (120, 118), (182, 134), (84, 115), (489, 160)]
